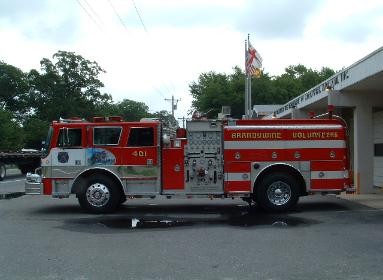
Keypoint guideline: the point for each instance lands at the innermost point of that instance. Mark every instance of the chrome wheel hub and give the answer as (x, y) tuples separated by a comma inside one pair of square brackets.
[(279, 193), (97, 195)]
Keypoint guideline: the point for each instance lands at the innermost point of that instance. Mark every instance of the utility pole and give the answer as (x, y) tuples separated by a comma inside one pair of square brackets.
[(183, 121), (174, 103)]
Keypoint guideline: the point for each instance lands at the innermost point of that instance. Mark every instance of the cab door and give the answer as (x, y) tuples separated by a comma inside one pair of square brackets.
[(68, 154), (141, 158)]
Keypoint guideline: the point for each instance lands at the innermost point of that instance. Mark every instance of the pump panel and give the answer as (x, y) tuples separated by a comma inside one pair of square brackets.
[(203, 157)]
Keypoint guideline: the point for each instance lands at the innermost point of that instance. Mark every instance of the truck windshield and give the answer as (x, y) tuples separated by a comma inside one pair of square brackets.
[(47, 144)]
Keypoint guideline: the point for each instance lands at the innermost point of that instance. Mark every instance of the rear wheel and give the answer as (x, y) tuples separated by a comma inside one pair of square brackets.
[(3, 171), (278, 192), (100, 195)]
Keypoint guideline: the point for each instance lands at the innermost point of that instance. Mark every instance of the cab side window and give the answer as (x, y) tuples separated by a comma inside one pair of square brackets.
[(70, 137), (141, 136), (106, 135)]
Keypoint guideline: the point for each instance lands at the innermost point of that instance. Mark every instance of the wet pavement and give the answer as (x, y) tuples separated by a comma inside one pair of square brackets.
[(242, 219), (323, 238)]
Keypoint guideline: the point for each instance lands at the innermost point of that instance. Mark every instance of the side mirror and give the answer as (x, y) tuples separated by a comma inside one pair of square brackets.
[(64, 137)]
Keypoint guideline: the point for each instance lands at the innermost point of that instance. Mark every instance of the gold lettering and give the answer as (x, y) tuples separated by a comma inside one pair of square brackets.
[(256, 135), (315, 135), (139, 153)]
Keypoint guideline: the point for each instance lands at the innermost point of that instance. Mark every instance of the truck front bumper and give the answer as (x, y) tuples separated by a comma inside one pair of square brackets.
[(33, 184)]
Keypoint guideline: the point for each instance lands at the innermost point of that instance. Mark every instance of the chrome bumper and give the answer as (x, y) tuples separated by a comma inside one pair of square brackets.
[(33, 184)]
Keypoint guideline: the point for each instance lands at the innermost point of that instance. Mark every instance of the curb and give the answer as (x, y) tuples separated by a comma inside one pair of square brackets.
[(11, 195)]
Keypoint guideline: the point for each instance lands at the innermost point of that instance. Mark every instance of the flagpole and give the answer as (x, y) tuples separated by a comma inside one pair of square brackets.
[(246, 83), (249, 89), (249, 101), (253, 67)]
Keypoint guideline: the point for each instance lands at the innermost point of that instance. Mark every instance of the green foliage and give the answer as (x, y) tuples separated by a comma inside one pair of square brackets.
[(35, 131), (67, 87), (214, 90), (10, 131), (13, 90), (166, 118), (128, 109)]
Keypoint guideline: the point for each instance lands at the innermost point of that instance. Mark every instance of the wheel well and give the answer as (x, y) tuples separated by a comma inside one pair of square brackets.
[(283, 168), (79, 182)]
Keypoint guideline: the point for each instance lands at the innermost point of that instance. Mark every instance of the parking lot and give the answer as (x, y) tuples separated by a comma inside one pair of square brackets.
[(323, 238)]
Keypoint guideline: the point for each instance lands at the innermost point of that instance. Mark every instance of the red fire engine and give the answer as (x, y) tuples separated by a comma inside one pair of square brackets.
[(272, 162)]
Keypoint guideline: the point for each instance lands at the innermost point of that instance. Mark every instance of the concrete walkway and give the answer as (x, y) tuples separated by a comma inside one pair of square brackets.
[(374, 200)]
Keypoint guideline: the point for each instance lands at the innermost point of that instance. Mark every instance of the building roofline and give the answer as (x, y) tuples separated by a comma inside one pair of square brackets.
[(319, 90)]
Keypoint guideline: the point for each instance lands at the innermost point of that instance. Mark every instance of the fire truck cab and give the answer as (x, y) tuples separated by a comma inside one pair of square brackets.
[(272, 162)]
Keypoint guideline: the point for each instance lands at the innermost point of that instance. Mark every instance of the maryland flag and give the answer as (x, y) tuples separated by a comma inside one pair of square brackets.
[(253, 61)]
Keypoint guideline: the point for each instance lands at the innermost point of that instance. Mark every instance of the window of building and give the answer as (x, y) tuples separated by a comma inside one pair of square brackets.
[(378, 150), (141, 136), (70, 137), (106, 135)]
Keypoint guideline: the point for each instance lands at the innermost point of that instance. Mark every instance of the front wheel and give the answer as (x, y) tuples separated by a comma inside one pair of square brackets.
[(100, 195), (278, 192)]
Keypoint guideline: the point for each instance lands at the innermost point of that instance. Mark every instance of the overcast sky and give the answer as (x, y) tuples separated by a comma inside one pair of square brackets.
[(153, 49)]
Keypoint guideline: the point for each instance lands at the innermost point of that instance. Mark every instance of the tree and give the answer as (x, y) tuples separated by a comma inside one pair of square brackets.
[(214, 90), (11, 132), (166, 118), (35, 131), (13, 90), (128, 109), (297, 79), (68, 86)]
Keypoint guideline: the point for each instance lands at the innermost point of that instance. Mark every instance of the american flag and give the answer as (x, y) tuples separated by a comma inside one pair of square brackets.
[(253, 61)]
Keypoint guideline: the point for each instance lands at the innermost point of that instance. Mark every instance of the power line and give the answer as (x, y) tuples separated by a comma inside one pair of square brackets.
[(89, 15), (93, 11), (118, 15), (146, 30), (92, 14), (139, 16), (158, 90)]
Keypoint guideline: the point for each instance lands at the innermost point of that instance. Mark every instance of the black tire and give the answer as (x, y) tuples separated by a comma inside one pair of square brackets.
[(24, 170), (123, 199), (3, 171), (99, 195), (277, 192)]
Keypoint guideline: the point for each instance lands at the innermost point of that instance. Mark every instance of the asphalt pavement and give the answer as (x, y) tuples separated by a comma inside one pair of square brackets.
[(325, 237), (13, 184)]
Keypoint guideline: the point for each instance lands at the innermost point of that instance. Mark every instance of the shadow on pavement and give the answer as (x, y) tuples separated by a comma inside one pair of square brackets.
[(183, 214), (181, 206)]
